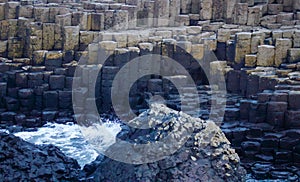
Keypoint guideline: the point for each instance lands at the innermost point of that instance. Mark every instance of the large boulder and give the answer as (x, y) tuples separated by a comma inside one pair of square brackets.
[(23, 161), (205, 156)]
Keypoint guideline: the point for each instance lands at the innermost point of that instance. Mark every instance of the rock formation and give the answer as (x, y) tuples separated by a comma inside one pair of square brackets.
[(207, 155), (23, 161), (256, 41)]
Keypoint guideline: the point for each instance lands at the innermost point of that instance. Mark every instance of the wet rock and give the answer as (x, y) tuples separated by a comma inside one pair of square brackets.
[(50, 99), (184, 161), (276, 119), (65, 99), (24, 161), (277, 107), (57, 82), (283, 156), (261, 170), (8, 117), (20, 119), (294, 100), (279, 97), (251, 146), (269, 143), (33, 123), (155, 85), (11, 104), (25, 93), (49, 115), (63, 120), (266, 158), (288, 143), (283, 175)]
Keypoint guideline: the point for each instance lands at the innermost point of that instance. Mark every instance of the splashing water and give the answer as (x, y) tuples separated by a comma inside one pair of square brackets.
[(68, 137)]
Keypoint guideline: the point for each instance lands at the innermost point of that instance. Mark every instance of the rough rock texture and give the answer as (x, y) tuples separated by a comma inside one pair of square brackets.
[(206, 156), (41, 42), (23, 161)]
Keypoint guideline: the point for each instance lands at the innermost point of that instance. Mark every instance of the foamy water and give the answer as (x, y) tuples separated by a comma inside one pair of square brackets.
[(69, 138)]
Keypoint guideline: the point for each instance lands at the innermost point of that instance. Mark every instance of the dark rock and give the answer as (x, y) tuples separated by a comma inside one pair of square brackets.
[(252, 86), (264, 97), (277, 106), (244, 109), (267, 158), (49, 115), (283, 175), (25, 93), (251, 146), (33, 123), (231, 125), (261, 170), (294, 100), (57, 82), (201, 158), (288, 143), (50, 99), (269, 143), (20, 119), (27, 103), (155, 85), (35, 83), (293, 133), (253, 111), (13, 92), (292, 119), (63, 120), (23, 161), (69, 82), (276, 119), (21, 80), (8, 116), (283, 156), (39, 90), (279, 97), (47, 75), (65, 99), (254, 133), (233, 81), (231, 114), (239, 133), (38, 102), (35, 76), (12, 104)]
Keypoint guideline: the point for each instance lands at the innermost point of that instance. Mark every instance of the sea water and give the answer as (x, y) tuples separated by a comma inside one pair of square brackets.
[(69, 138)]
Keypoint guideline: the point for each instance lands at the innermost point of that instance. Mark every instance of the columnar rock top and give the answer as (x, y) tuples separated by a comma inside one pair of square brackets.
[(31, 28), (256, 41)]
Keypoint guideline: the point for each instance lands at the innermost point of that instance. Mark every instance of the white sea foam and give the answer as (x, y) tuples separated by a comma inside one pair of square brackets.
[(69, 138), (4, 130)]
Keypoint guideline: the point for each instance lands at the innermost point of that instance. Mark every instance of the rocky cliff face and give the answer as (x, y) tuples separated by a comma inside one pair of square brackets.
[(205, 156)]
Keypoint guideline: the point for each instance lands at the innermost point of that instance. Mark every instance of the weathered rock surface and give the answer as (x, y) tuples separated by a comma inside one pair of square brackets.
[(206, 156), (23, 161)]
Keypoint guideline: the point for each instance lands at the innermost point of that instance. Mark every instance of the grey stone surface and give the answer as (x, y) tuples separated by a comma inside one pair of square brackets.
[(201, 158)]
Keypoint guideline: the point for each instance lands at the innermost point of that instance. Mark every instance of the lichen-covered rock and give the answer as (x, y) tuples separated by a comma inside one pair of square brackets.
[(205, 156)]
